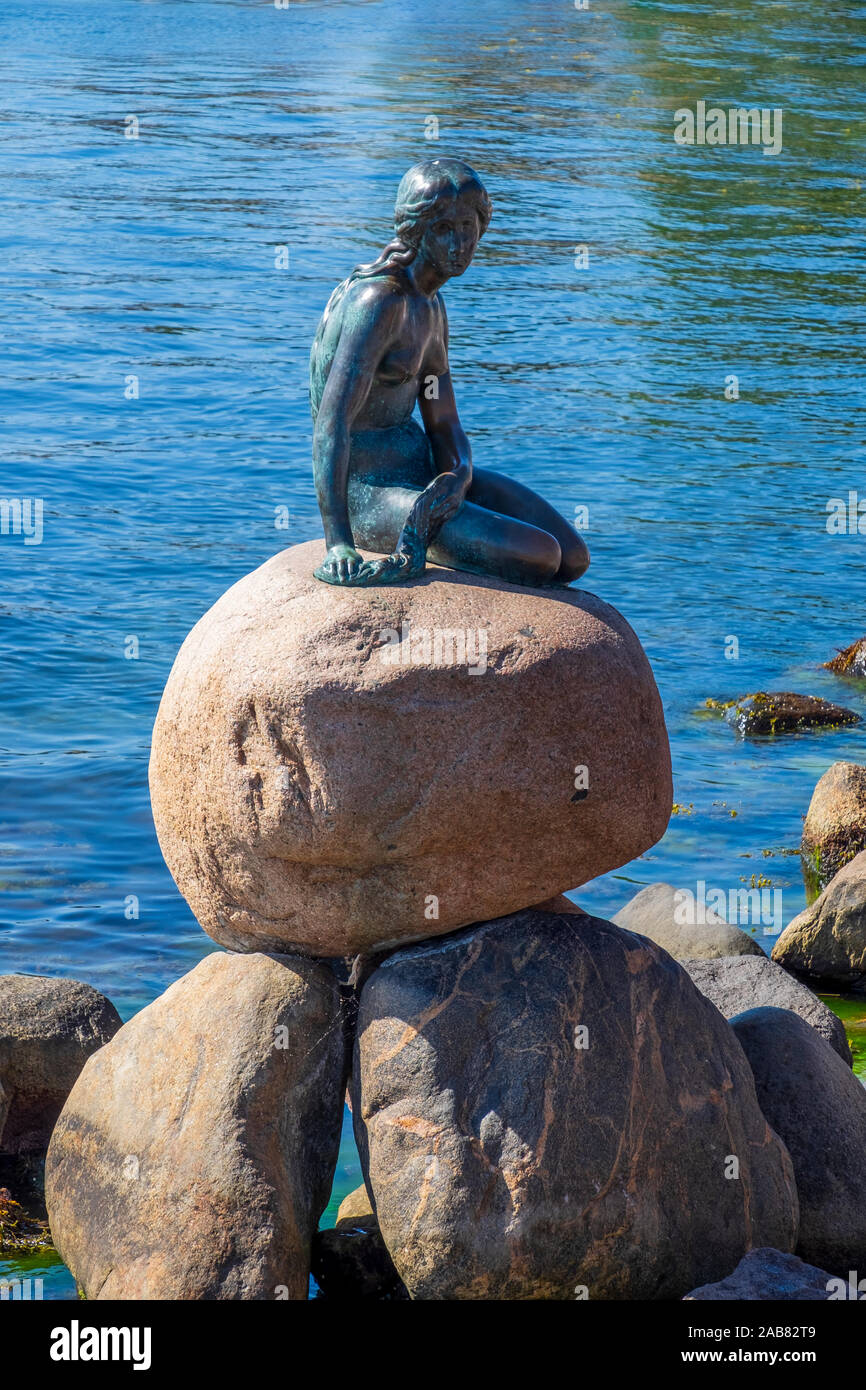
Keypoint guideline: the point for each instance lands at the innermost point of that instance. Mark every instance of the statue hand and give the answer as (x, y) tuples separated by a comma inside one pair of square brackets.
[(341, 565), (391, 569), (449, 493)]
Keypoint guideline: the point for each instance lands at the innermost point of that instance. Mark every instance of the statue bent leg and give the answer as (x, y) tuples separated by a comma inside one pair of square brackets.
[(503, 529)]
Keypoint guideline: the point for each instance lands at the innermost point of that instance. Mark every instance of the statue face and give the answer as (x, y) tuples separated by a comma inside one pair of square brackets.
[(449, 243)]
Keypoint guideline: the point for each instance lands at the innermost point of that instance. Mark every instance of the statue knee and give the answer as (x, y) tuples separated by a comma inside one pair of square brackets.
[(575, 559), (545, 557)]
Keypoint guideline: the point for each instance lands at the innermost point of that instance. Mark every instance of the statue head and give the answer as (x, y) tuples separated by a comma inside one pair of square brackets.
[(441, 213)]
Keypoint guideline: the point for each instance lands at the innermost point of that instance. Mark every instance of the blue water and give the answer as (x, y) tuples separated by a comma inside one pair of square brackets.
[(601, 387)]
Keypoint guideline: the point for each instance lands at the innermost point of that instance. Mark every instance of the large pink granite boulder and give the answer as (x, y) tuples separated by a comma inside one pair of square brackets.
[(339, 770)]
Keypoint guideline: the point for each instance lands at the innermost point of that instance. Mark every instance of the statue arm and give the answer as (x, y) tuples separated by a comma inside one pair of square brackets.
[(452, 454), (363, 343), (442, 498), (451, 449)]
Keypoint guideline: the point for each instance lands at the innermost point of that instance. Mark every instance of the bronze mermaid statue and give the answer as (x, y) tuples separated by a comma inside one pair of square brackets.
[(383, 482)]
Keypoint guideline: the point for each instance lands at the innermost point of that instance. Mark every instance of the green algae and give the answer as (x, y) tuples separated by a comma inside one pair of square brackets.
[(20, 1232), (851, 1009)]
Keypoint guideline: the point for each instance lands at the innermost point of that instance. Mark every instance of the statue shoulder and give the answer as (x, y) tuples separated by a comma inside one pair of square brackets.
[(379, 297), (360, 309)]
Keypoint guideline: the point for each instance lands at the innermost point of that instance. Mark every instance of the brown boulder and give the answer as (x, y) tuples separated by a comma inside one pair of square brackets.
[(560, 904), (356, 1206), (196, 1152), (835, 828), (827, 941), (685, 927), (48, 1029), (318, 785)]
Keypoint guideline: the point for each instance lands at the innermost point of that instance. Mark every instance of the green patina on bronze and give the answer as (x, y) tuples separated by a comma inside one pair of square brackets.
[(383, 482)]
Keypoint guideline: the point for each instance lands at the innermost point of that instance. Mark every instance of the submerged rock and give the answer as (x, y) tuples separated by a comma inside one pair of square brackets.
[(851, 661), (827, 941), (48, 1029), (657, 911), (769, 1275), (835, 827), (818, 1107), (196, 1152), (319, 785), (546, 1112), (783, 711), (738, 983)]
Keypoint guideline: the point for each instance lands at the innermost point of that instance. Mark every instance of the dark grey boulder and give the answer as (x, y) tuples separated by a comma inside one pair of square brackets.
[(48, 1029), (351, 1261), (768, 1276), (737, 983), (552, 1110), (785, 711), (4, 1106), (818, 1107)]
